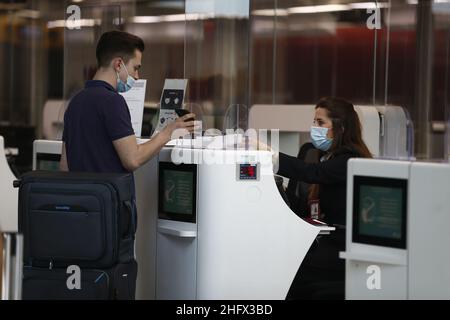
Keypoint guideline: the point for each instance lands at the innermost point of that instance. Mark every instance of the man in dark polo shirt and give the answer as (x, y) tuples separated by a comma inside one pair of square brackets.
[(98, 135)]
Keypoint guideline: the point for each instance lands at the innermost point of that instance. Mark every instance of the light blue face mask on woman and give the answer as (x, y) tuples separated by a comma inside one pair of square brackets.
[(122, 86), (319, 138)]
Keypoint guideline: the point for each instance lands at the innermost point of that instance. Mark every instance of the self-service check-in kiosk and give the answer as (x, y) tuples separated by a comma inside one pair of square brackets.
[(397, 237), (224, 231), (47, 154)]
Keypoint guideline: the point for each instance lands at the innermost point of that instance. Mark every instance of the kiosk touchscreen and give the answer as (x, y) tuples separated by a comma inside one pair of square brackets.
[(46, 155), (177, 191), (47, 161), (379, 211)]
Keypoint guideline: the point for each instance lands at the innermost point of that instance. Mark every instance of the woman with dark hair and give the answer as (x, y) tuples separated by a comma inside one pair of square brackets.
[(337, 134)]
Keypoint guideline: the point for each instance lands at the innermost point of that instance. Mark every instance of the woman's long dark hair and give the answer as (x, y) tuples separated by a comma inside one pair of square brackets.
[(347, 130)]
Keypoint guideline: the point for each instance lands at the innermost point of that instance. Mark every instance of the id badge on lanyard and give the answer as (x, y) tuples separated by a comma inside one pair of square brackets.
[(314, 209)]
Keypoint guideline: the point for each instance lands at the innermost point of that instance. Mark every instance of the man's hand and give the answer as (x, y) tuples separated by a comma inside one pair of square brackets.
[(179, 124), (133, 155)]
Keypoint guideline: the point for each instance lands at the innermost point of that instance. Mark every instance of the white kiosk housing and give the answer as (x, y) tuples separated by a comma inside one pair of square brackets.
[(46, 154), (224, 231), (397, 237)]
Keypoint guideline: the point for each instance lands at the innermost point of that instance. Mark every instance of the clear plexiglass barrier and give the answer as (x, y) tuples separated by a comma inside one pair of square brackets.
[(396, 133)]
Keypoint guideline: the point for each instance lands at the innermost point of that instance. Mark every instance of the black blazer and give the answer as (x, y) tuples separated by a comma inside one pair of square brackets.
[(331, 175)]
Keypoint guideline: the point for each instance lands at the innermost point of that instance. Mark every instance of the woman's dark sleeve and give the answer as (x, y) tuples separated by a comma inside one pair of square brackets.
[(330, 171)]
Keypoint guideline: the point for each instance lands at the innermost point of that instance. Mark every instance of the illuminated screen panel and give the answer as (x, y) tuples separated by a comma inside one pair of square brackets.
[(47, 161), (177, 191), (379, 211)]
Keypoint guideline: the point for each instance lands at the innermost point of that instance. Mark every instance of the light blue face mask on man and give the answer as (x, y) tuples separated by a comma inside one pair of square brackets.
[(122, 86), (319, 138)]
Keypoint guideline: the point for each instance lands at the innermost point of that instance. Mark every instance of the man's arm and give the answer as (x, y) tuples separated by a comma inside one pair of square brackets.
[(63, 162), (133, 155)]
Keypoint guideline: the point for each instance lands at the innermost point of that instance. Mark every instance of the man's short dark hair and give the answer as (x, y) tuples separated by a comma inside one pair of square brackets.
[(117, 44)]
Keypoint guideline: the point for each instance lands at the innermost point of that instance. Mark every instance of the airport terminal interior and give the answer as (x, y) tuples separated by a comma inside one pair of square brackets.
[(216, 218)]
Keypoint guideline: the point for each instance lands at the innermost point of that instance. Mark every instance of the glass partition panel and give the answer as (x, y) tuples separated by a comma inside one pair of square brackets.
[(416, 70), (80, 40), (440, 97), (162, 26), (320, 48), (324, 48), (217, 56)]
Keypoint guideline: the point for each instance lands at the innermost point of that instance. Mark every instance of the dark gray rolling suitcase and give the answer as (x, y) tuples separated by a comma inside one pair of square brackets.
[(77, 220)]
